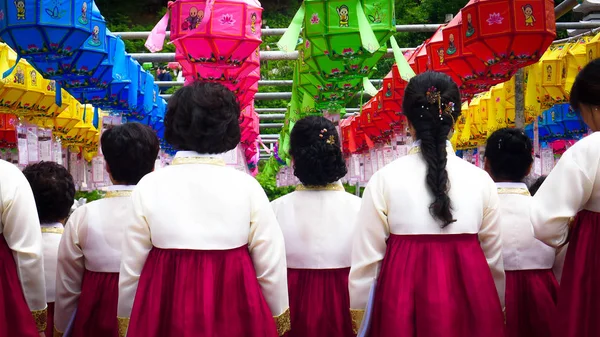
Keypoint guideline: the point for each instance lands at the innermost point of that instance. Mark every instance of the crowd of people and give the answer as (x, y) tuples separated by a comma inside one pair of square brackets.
[(436, 246)]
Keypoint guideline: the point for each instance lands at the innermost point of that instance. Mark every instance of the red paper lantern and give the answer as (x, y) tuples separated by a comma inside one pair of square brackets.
[(393, 91), (437, 56), (508, 34), (422, 59), (412, 62)]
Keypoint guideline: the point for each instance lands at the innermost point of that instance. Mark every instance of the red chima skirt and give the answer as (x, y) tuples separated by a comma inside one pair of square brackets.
[(319, 303), (200, 293), (50, 320), (436, 285), (579, 295), (97, 306), (15, 315), (531, 297)]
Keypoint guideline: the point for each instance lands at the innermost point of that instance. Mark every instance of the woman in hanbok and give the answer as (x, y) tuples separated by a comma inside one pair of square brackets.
[(318, 221), (531, 287), (428, 237), (572, 189), (203, 255), (89, 256), (23, 306), (54, 192)]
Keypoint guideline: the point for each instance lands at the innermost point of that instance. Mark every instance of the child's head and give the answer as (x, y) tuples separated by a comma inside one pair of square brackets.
[(508, 155), (130, 151), (53, 189), (315, 149), (203, 117), (536, 185)]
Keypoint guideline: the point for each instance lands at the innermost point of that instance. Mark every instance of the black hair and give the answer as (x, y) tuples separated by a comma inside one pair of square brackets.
[(536, 185), (53, 189), (509, 154), (203, 117), (130, 151), (432, 120), (315, 149), (586, 86)]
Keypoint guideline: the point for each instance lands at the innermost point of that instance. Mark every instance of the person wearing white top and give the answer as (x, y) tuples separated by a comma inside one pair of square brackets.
[(203, 254), (90, 250), (428, 233), (23, 306), (318, 222), (531, 287), (572, 189), (54, 192)]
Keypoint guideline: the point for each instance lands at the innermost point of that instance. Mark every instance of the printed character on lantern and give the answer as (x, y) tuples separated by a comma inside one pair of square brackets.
[(51, 86), (83, 18), (451, 46), (193, 20), (388, 91), (19, 76), (564, 73), (591, 55), (377, 17), (253, 23), (470, 28), (33, 76), (343, 12), (20, 4), (549, 73), (95, 41), (528, 12), (441, 55)]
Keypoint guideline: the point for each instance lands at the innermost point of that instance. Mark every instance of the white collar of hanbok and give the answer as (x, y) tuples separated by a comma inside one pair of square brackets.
[(192, 157), (53, 227), (513, 188), (416, 147), (117, 191), (337, 186)]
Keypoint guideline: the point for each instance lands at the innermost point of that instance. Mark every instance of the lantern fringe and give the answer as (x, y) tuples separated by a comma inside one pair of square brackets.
[(289, 40)]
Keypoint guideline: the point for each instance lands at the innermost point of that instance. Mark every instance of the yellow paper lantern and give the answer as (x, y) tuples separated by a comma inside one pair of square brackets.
[(68, 118), (15, 84), (577, 58), (592, 48)]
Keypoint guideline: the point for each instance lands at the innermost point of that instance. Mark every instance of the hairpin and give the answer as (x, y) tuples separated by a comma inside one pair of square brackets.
[(433, 96), (322, 132), (331, 140)]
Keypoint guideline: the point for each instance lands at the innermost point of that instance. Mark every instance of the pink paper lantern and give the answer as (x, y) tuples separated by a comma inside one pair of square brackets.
[(248, 88), (219, 33)]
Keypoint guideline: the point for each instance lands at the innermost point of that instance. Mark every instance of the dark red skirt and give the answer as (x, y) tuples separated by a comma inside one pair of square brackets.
[(50, 320), (200, 293), (531, 297), (579, 295), (436, 285), (319, 303), (97, 307), (15, 315)]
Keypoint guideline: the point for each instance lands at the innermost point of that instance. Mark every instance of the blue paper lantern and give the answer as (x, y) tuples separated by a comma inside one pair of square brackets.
[(128, 96), (46, 30)]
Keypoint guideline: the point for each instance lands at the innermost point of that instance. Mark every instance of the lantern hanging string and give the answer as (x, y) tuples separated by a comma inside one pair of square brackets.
[(577, 37)]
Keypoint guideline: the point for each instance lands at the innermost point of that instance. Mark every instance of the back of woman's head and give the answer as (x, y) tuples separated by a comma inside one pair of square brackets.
[(315, 150), (586, 89), (432, 105), (508, 155), (203, 117)]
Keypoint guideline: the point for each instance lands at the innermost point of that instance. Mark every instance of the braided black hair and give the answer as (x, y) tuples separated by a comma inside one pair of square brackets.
[(508, 155), (433, 120), (315, 149)]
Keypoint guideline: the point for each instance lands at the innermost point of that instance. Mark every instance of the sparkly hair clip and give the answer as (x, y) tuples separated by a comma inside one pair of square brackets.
[(434, 96), (449, 109), (322, 132), (331, 140)]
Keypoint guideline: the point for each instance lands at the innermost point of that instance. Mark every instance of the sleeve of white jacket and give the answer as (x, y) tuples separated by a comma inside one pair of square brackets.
[(490, 239), (267, 250), (69, 271), (21, 229), (564, 192), (372, 232), (135, 249)]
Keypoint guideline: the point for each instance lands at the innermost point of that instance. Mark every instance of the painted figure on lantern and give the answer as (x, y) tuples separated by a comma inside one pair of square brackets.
[(253, 23), (95, 41), (33, 76), (388, 92), (591, 55), (470, 28), (20, 4), (549, 73), (19, 76), (377, 17), (528, 12), (451, 47), (193, 20), (343, 12), (441, 55), (83, 18)]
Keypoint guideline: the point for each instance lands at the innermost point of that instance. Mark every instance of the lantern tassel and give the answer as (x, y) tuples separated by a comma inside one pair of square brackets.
[(406, 72), (96, 117), (367, 37), (58, 95), (156, 39), (289, 40), (369, 87), (10, 70)]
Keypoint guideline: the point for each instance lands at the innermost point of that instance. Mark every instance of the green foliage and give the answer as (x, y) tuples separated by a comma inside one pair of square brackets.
[(90, 196)]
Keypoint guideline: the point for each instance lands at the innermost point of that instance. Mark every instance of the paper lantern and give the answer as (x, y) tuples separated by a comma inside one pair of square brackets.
[(345, 29), (366, 120), (475, 76), (8, 130), (577, 57), (393, 91), (54, 30), (412, 62), (67, 119), (28, 103), (554, 75), (123, 93), (422, 59), (592, 48), (229, 77), (437, 56), (327, 95), (15, 84), (247, 91), (508, 34), (221, 33)]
